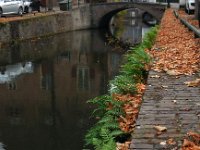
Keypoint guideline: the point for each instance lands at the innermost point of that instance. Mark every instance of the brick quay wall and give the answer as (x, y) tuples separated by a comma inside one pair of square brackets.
[(33, 26)]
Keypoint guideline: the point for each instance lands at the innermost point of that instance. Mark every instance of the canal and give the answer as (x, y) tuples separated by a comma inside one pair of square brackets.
[(45, 83)]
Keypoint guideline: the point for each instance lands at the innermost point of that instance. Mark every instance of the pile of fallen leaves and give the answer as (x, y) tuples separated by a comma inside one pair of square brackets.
[(176, 51), (131, 109)]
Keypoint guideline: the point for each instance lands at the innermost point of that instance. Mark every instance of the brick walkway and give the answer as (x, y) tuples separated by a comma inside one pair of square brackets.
[(167, 102)]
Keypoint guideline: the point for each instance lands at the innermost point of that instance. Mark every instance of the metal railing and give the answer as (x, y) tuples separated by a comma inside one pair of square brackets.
[(192, 28)]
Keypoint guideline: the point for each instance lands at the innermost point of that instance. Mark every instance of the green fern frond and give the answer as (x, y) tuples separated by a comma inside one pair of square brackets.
[(123, 84), (106, 119), (97, 143), (110, 145), (102, 104), (111, 126), (116, 133), (115, 113), (105, 134)]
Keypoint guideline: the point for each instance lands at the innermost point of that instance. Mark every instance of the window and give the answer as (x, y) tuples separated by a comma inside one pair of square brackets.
[(83, 78), (12, 86)]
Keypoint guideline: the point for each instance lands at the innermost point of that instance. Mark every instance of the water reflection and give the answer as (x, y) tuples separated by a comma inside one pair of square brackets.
[(10, 72), (2, 146), (129, 26), (44, 86)]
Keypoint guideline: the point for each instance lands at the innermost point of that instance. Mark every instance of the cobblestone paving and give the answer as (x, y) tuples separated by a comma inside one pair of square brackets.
[(167, 102)]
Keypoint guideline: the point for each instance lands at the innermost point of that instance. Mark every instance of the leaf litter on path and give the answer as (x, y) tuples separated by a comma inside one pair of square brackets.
[(179, 51), (175, 52)]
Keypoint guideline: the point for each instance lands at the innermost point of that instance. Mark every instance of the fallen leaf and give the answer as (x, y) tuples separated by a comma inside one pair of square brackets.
[(158, 133), (160, 128), (172, 72), (157, 70), (174, 101), (193, 83), (164, 86), (171, 141), (188, 145), (163, 143), (195, 136), (155, 76)]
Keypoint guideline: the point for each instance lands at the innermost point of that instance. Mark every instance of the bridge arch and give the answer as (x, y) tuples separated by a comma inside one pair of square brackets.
[(104, 21), (102, 13)]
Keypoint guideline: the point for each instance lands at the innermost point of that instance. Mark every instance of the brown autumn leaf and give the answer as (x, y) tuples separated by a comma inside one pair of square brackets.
[(193, 83), (194, 136), (188, 145), (163, 143), (155, 76), (123, 146), (172, 72), (171, 141), (160, 128), (191, 141), (140, 88)]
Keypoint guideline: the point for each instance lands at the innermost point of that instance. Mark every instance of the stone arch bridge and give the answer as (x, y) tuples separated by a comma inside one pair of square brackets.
[(86, 16), (101, 13)]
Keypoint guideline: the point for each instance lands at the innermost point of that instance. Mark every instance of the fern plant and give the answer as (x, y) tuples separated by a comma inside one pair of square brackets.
[(106, 131), (122, 84), (135, 64), (104, 140), (103, 103), (103, 134), (149, 37)]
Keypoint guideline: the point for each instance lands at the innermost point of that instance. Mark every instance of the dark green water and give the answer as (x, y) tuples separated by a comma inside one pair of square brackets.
[(45, 83)]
